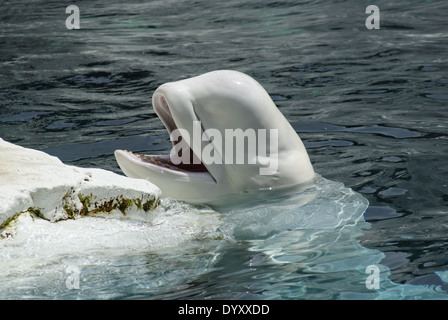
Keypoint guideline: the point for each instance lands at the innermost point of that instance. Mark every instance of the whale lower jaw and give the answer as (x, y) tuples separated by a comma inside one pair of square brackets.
[(175, 182)]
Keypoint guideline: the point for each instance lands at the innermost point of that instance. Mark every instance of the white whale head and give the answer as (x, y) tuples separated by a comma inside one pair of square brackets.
[(226, 125)]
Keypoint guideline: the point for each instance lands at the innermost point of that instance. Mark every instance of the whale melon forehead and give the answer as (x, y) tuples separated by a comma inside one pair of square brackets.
[(227, 85), (214, 85), (224, 100)]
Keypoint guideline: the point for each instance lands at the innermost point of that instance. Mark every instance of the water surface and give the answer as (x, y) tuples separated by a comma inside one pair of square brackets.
[(370, 106)]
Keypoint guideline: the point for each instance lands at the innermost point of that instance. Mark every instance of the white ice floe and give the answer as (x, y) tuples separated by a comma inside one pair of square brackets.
[(32, 180)]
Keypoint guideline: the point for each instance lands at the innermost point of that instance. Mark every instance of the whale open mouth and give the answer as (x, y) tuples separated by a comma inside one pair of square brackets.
[(164, 161), (194, 165)]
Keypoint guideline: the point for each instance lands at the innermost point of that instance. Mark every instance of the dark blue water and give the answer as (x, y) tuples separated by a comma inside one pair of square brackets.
[(370, 105)]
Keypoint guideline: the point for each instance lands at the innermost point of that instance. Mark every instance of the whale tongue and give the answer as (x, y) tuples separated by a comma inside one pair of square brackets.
[(165, 161), (191, 167)]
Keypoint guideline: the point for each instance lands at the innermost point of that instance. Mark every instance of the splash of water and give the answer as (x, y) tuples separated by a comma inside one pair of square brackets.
[(116, 256), (301, 245)]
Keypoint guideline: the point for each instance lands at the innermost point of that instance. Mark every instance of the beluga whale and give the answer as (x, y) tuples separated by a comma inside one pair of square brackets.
[(228, 138)]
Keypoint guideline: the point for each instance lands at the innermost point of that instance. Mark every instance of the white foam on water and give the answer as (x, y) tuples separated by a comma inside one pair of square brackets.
[(134, 251), (306, 241), (314, 235)]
